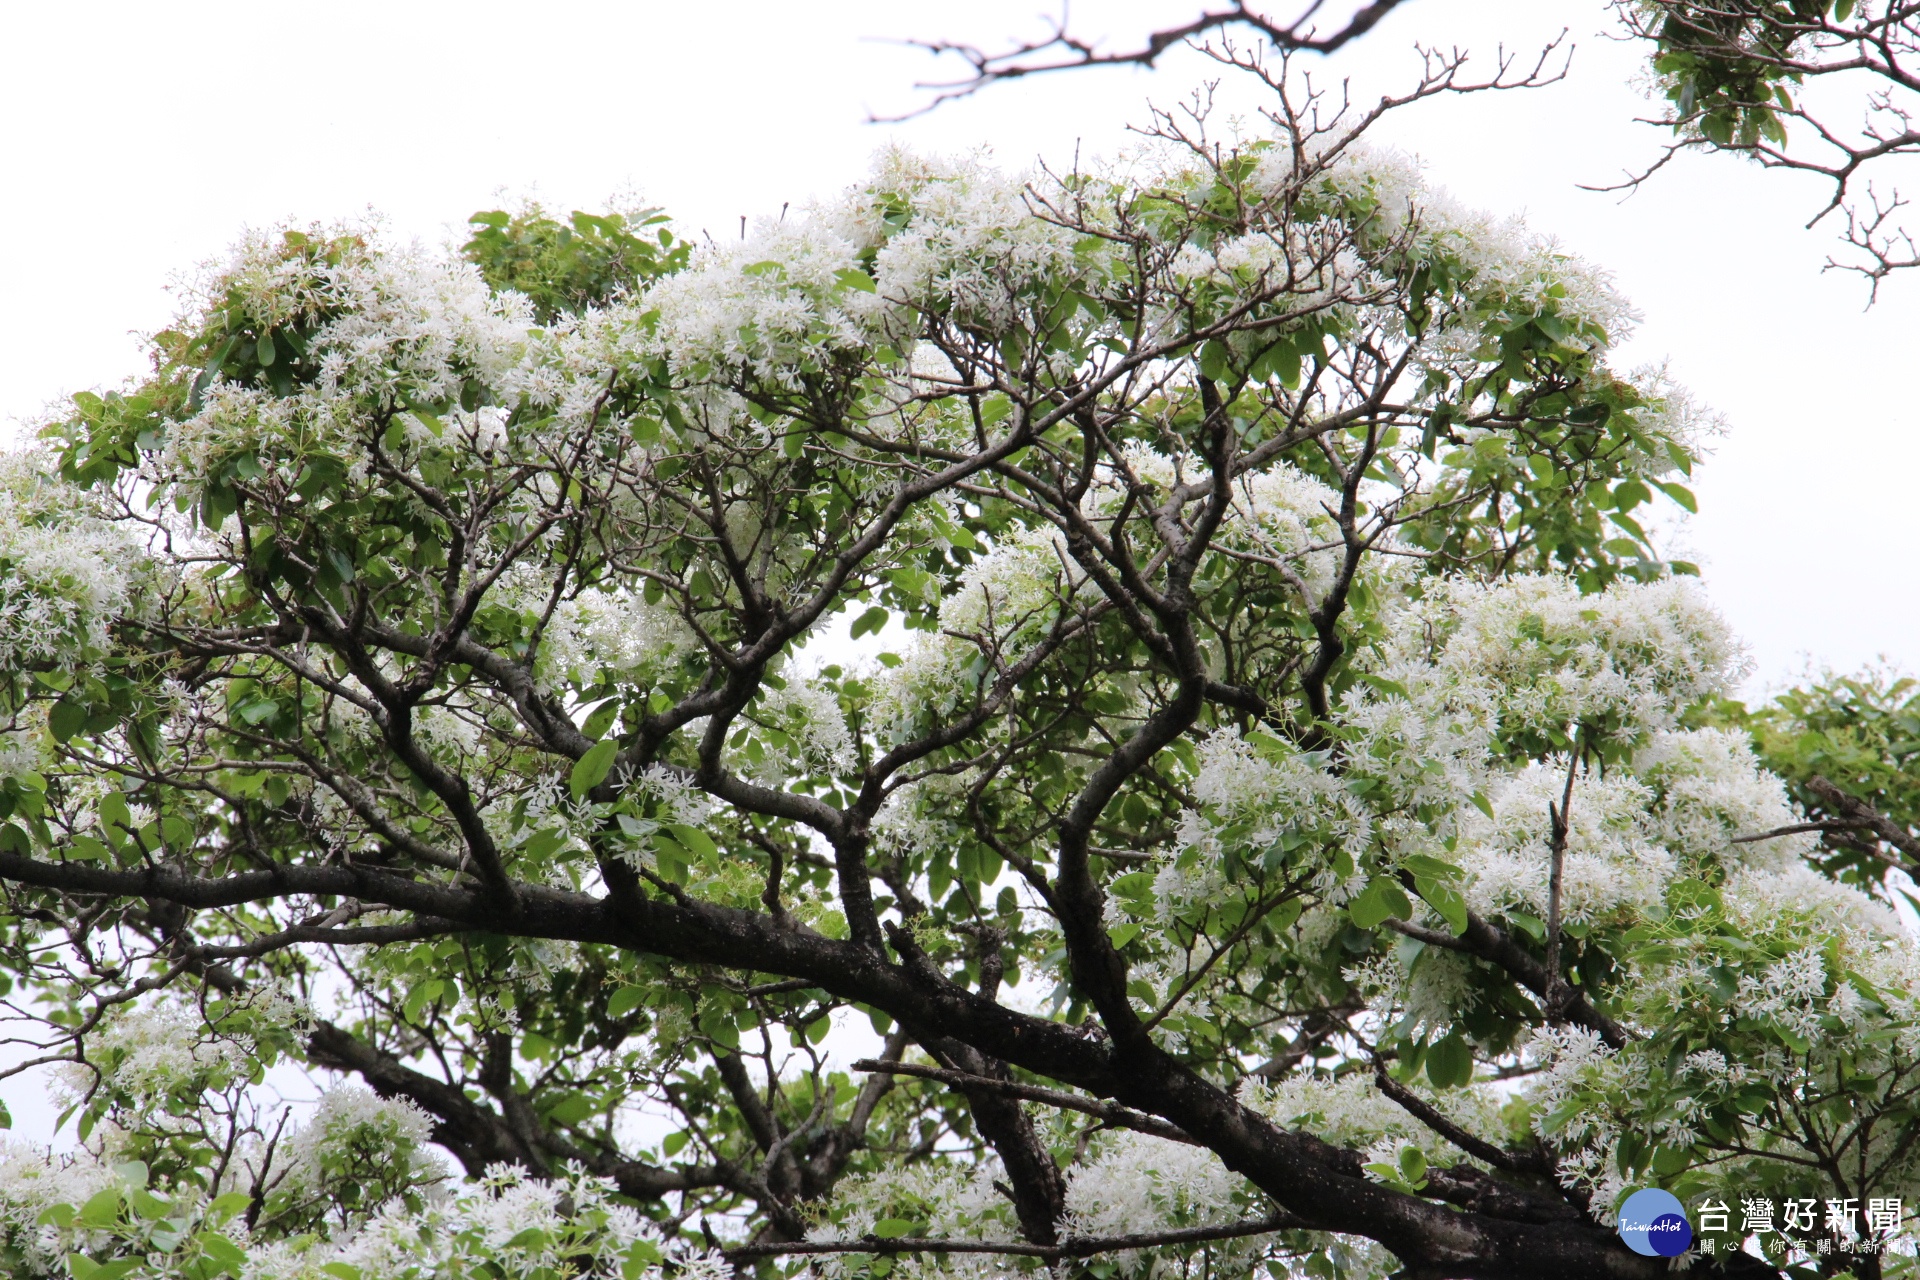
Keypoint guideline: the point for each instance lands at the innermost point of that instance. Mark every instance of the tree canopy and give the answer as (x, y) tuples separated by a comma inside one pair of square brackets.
[(1174, 659)]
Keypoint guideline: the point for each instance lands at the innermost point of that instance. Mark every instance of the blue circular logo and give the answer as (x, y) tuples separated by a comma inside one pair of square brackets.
[(1654, 1224)]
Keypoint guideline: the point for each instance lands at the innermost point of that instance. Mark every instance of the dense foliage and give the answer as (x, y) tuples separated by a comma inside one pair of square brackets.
[(1170, 663)]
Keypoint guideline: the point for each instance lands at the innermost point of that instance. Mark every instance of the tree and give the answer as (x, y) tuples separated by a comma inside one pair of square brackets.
[(1175, 649), (1775, 81)]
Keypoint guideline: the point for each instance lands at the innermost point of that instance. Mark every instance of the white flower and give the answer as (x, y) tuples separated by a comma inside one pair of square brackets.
[(353, 1125), (152, 1050), (65, 573)]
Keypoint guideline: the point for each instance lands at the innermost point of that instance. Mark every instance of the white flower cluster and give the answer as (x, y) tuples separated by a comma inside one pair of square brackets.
[(418, 323), (1352, 1112), (65, 573), (619, 633), (156, 1050), (1473, 679), (1022, 580), (921, 237), (353, 1127), (1544, 657), (975, 246), (1791, 956), (1138, 1183), (808, 712), (34, 1179), (394, 328), (1009, 595), (506, 1224), (777, 303), (1267, 790), (1285, 515), (1708, 783), (1508, 267), (1612, 862), (940, 1200)]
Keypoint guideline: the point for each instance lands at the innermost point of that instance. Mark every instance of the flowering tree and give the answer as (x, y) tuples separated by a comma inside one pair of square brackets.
[(1174, 650)]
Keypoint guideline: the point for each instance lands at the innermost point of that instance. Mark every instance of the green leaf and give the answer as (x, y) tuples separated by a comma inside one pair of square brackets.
[(150, 1206), (1450, 1062), (66, 718), (892, 1228), (102, 1210), (255, 712), (571, 1109), (671, 859), (1380, 899), (1413, 1166), (114, 812), (591, 769), (1443, 899), (870, 621), (1535, 927), (230, 1256), (1629, 494), (1432, 868), (1483, 804), (1384, 685), (625, 1001), (694, 841), (642, 1254), (224, 1207), (1679, 493), (600, 719)]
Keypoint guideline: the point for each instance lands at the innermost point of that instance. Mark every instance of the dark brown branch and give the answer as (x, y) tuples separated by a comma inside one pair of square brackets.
[(1063, 51), (1109, 1112), (1491, 944), (1479, 1148), (1859, 812)]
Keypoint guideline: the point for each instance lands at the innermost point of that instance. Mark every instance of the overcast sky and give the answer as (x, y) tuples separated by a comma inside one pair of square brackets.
[(141, 138)]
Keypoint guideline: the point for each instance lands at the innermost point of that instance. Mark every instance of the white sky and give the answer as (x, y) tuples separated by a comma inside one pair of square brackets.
[(141, 138)]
